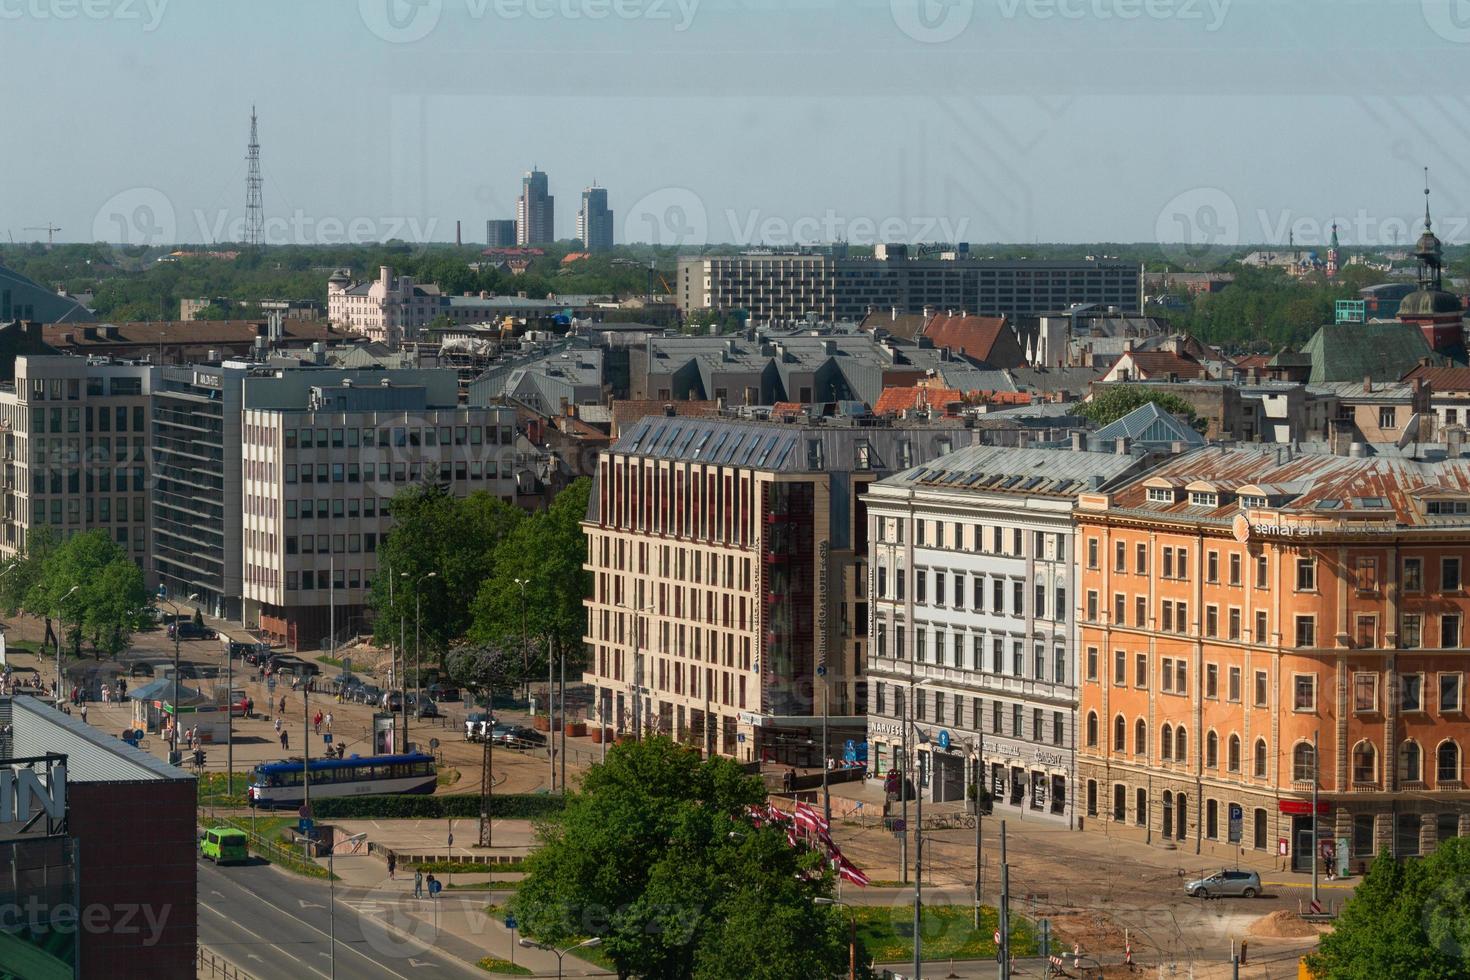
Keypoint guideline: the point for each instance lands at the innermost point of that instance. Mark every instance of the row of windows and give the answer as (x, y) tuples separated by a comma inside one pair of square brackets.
[(101, 510), (1003, 718), (102, 419), (397, 436), (939, 588), (396, 472), (1174, 564), (1174, 618), (322, 544), (949, 650), (1173, 678), (976, 538)]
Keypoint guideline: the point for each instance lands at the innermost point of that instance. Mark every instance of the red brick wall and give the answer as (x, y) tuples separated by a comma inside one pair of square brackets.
[(136, 848)]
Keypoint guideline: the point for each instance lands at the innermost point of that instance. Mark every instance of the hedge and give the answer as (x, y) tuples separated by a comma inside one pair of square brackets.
[(502, 806)]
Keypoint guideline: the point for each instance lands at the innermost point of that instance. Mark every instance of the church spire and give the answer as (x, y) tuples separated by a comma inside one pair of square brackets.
[(1427, 223)]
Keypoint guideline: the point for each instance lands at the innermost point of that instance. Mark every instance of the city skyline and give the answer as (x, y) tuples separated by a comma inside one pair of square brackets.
[(778, 120)]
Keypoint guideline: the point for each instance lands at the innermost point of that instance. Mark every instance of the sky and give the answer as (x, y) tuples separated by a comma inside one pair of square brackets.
[(760, 122)]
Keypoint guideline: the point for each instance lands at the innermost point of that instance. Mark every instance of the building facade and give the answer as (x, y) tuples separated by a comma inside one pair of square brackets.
[(786, 286), (500, 233), (76, 436), (1241, 606), (728, 557), (535, 211), (323, 453), (393, 309), (973, 629), (595, 220)]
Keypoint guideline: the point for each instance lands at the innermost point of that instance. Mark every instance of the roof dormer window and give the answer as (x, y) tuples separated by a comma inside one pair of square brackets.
[(1160, 495), (1204, 498)]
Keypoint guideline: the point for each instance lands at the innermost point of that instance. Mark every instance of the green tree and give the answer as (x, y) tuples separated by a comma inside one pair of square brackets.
[(547, 551), (1116, 401), (1407, 919), (18, 578), (454, 539), (656, 857), (95, 587)]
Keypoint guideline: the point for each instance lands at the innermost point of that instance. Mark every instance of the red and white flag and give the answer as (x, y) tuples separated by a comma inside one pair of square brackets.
[(851, 872), (806, 817)]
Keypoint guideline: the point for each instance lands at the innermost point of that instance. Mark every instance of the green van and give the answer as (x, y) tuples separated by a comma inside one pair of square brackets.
[(224, 845)]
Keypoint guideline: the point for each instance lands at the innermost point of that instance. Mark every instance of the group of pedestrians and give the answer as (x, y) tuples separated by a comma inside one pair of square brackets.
[(435, 886)]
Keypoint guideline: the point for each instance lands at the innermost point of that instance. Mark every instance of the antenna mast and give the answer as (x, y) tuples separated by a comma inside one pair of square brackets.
[(254, 209)]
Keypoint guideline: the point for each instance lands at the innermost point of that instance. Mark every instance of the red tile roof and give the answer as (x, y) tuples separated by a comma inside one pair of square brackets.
[(1442, 378), (1158, 364), (906, 399), (975, 336)]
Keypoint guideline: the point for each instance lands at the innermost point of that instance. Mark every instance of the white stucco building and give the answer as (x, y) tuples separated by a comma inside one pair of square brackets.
[(973, 632)]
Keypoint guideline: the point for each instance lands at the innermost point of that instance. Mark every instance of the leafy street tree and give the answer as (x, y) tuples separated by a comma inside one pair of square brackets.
[(547, 551), (657, 857), (1116, 401), (109, 595), (455, 539), (1407, 919), (483, 668)]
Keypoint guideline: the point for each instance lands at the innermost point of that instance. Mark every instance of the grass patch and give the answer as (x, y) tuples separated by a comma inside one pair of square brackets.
[(466, 867), (485, 886), (213, 788), (491, 964), (447, 776), (948, 930)]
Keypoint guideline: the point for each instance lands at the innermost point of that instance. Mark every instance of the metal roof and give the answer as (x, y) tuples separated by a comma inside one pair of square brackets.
[(1001, 469), (92, 755), (1148, 424)]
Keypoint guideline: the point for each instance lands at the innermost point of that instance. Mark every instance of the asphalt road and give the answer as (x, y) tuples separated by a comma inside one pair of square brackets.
[(272, 925)]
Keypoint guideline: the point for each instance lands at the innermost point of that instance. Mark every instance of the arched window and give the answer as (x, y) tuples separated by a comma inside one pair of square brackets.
[(1260, 758), (1302, 762), (1447, 769), (1365, 763), (1411, 762), (1092, 728), (1181, 745), (1232, 760), (1166, 747), (1212, 750), (1120, 734), (1140, 737)]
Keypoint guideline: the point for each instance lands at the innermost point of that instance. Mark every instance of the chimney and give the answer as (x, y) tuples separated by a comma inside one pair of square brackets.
[(1124, 446), (385, 275), (1079, 440), (669, 411), (1367, 384)]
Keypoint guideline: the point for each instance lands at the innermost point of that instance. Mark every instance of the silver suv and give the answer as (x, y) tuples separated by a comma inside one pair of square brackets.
[(1244, 883)]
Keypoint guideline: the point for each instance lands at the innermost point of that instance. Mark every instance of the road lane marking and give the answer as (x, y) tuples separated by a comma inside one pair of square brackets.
[(249, 932)]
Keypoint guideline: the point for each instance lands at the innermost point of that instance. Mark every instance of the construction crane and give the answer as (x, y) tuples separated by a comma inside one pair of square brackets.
[(50, 231)]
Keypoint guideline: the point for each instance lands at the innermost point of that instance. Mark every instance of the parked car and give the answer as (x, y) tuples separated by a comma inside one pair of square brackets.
[(140, 668), (391, 701), (287, 664), (1247, 884), (369, 694), (189, 630), (443, 692), (426, 708), (474, 725), (517, 736)]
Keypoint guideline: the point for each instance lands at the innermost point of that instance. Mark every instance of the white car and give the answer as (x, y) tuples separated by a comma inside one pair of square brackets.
[(475, 725)]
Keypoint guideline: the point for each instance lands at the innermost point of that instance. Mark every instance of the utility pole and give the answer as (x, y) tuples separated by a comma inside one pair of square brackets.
[(562, 658), (979, 820), (918, 852), (487, 778), (826, 791), (903, 795), (1004, 918), (551, 713)]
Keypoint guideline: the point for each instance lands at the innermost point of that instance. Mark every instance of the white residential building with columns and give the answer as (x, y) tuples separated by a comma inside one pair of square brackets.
[(974, 626)]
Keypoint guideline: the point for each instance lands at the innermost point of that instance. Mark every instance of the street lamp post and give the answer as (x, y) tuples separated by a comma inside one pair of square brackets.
[(532, 944), (525, 650), (61, 632), (851, 934), (417, 646), (173, 751)]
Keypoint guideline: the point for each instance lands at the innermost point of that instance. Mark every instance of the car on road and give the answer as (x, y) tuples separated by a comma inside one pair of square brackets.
[(224, 845), (474, 725), (1246, 884), (190, 630)]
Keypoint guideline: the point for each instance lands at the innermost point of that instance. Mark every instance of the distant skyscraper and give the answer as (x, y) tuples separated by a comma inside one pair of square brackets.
[(535, 211), (595, 221), (500, 232)]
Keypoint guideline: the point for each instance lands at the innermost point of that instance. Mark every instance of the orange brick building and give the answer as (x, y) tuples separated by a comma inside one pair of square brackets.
[(1238, 603)]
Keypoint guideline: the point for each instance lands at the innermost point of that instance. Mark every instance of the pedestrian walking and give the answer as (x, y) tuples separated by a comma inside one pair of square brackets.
[(316, 723), (392, 864), (285, 739), (278, 725), (418, 883), (122, 688), (283, 704), (84, 714), (328, 721), (435, 887)]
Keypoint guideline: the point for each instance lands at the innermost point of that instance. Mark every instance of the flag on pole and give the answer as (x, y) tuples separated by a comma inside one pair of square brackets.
[(852, 873), (806, 817)]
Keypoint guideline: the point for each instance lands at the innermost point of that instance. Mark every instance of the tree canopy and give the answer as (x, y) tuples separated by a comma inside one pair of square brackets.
[(1116, 401), (433, 561), (1407, 919), (657, 858), (547, 551), (88, 580)]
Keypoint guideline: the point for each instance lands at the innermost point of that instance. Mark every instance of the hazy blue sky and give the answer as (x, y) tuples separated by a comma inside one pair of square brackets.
[(738, 120)]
